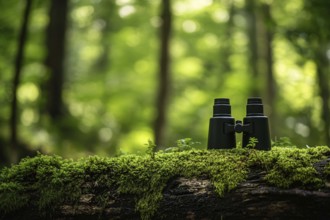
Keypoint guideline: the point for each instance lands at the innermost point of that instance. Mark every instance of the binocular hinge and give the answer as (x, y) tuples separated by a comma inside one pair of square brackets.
[(239, 127), (222, 127)]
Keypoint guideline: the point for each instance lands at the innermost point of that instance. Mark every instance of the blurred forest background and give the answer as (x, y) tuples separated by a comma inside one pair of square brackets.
[(103, 77)]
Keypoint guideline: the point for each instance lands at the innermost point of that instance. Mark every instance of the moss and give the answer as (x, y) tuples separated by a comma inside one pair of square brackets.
[(51, 180), (327, 171)]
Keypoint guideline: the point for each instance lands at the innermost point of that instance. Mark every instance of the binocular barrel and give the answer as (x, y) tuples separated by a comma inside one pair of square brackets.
[(222, 126), (219, 136), (258, 123)]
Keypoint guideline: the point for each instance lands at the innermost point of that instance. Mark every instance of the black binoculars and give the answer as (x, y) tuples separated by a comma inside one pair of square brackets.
[(223, 126)]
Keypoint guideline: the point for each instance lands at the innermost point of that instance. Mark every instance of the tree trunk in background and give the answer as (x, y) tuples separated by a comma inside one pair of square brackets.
[(323, 83), (13, 152), (55, 43), (164, 74), (270, 90), (260, 33), (107, 14), (103, 63), (253, 59)]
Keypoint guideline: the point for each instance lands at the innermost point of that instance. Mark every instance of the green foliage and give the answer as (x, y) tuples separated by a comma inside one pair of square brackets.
[(51, 180), (282, 142), (112, 61), (290, 167), (184, 144), (151, 149), (252, 143)]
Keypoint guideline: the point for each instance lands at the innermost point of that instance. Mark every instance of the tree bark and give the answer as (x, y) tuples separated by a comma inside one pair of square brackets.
[(164, 73), (194, 198), (55, 43), (16, 80), (253, 46)]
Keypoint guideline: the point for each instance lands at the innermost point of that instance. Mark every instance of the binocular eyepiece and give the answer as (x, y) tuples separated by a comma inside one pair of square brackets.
[(223, 127)]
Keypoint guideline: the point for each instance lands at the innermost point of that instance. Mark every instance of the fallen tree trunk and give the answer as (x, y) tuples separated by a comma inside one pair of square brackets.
[(195, 198)]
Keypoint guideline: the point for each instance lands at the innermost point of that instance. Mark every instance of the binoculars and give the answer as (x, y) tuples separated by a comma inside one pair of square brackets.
[(223, 127)]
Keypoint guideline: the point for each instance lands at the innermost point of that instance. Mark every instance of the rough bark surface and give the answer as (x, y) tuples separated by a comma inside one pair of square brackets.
[(195, 198)]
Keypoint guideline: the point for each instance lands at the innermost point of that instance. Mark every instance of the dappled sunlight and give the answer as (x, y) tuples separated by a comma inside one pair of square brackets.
[(186, 6), (302, 129), (195, 96), (29, 116), (316, 112), (189, 26), (294, 6), (40, 19), (143, 66), (189, 67), (240, 39), (82, 15), (90, 52), (220, 16), (126, 7), (297, 84), (155, 22), (208, 42), (124, 2), (328, 54), (76, 108), (135, 141), (126, 10), (105, 134), (240, 20), (178, 48), (28, 92), (99, 87)]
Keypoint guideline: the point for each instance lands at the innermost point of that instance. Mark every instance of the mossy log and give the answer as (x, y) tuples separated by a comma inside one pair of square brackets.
[(194, 198), (306, 195)]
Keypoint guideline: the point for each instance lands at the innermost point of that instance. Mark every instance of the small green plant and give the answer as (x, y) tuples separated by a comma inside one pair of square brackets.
[(282, 142), (254, 153), (252, 143), (184, 144), (151, 148)]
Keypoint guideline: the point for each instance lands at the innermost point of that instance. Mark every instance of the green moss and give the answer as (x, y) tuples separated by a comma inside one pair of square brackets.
[(327, 171), (50, 180), (294, 167)]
